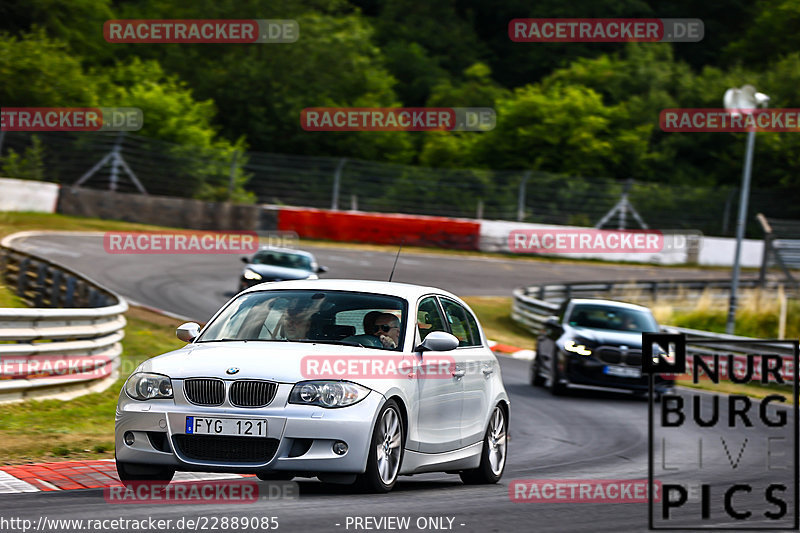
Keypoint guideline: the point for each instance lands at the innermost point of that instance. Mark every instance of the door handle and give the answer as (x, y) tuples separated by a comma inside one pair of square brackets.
[(488, 370), (459, 373)]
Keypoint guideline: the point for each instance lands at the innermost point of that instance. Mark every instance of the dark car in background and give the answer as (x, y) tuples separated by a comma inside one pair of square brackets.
[(278, 264), (597, 343)]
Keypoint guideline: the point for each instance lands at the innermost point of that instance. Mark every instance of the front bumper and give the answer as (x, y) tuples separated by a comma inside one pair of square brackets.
[(589, 371), (302, 437)]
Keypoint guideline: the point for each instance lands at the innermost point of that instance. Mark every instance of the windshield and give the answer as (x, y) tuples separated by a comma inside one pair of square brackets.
[(612, 318), (331, 317), (282, 259)]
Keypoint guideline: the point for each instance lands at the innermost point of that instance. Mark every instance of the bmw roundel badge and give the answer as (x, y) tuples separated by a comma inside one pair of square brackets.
[(232, 370)]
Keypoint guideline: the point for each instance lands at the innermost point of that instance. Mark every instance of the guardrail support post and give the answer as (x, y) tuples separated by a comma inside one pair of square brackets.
[(55, 290), (41, 282), (69, 297), (22, 277)]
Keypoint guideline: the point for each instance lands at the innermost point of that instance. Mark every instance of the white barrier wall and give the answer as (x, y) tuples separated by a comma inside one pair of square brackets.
[(713, 251), (28, 195), (718, 251)]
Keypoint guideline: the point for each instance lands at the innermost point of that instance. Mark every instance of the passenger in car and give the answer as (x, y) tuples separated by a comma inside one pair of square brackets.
[(296, 323)]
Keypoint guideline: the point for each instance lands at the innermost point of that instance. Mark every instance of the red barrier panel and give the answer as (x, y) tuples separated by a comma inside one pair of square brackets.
[(377, 228)]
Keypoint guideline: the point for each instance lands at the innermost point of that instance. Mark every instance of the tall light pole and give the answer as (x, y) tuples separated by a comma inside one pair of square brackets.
[(741, 101)]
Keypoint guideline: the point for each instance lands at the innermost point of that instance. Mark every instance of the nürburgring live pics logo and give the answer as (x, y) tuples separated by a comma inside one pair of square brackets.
[(725, 460)]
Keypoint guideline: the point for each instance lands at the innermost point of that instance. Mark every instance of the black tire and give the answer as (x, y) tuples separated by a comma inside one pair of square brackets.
[(275, 476), (645, 396), (493, 454), (130, 473), (384, 437), (556, 387), (536, 378)]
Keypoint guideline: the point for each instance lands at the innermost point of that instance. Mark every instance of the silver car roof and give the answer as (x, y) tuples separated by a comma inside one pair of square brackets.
[(402, 290)]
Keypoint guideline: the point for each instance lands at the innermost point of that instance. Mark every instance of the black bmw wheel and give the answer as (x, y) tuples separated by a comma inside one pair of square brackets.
[(557, 388), (536, 377)]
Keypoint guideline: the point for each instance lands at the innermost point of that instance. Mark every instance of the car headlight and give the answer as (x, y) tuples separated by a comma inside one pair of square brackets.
[(249, 274), (579, 349), (147, 386), (327, 393)]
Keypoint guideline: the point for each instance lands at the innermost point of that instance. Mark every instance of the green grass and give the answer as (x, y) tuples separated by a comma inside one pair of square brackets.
[(8, 298), (12, 222), (763, 324), (82, 428), (494, 314)]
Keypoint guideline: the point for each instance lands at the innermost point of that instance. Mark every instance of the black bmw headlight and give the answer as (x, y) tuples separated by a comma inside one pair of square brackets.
[(577, 346)]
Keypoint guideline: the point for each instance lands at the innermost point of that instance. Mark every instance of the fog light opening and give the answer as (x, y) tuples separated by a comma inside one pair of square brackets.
[(128, 438), (339, 447)]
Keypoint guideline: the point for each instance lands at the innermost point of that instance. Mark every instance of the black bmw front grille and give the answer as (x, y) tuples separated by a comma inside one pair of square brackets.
[(613, 356), (609, 355), (226, 449), (251, 393), (202, 391)]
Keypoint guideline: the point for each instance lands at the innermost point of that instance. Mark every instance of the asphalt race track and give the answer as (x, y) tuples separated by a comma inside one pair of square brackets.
[(196, 285), (584, 435)]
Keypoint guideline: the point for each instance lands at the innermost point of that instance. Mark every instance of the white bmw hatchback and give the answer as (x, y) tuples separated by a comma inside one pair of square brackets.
[(349, 381)]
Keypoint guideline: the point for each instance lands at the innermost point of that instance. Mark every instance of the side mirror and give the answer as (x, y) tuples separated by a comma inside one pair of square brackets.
[(321, 269), (552, 322), (438, 341), (188, 332), (246, 260)]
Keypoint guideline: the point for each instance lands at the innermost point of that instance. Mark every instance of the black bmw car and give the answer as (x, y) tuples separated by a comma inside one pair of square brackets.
[(597, 343), (278, 264)]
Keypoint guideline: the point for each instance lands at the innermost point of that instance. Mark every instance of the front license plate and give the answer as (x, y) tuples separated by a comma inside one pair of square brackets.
[(203, 425), (624, 371)]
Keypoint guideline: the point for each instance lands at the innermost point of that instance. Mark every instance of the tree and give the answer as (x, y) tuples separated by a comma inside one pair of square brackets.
[(29, 165)]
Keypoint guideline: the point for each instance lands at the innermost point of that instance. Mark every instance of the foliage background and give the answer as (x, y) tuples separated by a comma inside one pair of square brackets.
[(574, 109)]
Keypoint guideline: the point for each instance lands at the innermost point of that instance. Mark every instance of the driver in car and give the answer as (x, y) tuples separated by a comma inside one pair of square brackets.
[(381, 330)]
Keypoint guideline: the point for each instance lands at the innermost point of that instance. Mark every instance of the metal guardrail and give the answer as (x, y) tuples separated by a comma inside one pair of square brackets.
[(69, 344), (532, 306)]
